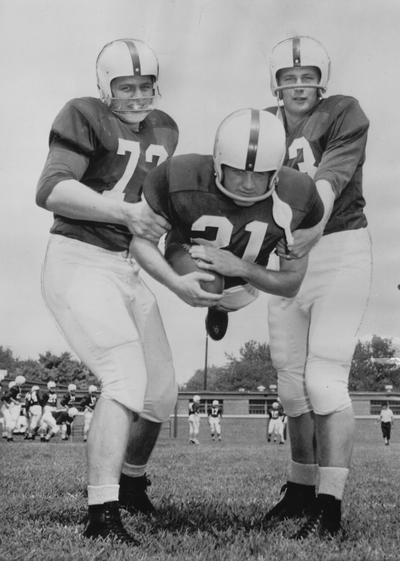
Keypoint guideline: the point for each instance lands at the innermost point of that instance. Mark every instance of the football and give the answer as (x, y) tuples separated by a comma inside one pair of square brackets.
[(182, 262)]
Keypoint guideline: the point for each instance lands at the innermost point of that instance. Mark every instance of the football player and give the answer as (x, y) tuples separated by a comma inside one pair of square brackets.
[(214, 413), (87, 404), (70, 399), (275, 425), (232, 208), (33, 405), (313, 335), (11, 405), (48, 427), (194, 419), (100, 152)]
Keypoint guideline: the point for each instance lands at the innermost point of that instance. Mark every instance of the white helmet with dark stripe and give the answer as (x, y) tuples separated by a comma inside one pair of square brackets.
[(126, 57), (249, 140), (296, 52)]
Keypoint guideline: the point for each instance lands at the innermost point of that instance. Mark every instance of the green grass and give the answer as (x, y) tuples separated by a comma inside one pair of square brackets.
[(210, 499)]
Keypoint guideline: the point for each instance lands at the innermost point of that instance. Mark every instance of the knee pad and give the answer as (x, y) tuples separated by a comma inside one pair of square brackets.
[(161, 406), (327, 386), (291, 390)]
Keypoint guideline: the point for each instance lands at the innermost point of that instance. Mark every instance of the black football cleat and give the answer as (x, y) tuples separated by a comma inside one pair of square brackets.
[(216, 323), (133, 494), (324, 521), (296, 500), (105, 522)]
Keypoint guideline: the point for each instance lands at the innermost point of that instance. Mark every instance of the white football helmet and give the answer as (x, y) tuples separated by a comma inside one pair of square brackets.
[(51, 385), (196, 398), (20, 380), (215, 402), (71, 387), (11, 384), (92, 389), (249, 140), (73, 412), (127, 57), (35, 388), (275, 405), (296, 52)]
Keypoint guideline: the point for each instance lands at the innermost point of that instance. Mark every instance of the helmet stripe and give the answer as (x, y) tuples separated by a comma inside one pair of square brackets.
[(134, 57), (253, 140), (296, 51)]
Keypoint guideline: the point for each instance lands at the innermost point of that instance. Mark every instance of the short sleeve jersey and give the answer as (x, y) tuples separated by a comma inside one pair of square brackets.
[(274, 414), (88, 401), (215, 411), (68, 400), (193, 408), (13, 395), (50, 399), (114, 160), (330, 144), (183, 190)]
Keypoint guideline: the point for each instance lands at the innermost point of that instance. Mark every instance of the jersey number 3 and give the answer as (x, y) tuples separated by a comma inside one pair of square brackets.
[(133, 148), (301, 155)]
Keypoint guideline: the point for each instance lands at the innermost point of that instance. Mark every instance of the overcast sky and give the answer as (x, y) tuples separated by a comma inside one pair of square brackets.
[(214, 59)]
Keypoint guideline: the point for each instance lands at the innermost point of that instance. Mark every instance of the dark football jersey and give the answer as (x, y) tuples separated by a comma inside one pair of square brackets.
[(88, 401), (90, 144), (13, 395), (193, 408), (68, 400), (183, 190), (214, 411), (330, 144), (50, 399), (33, 398)]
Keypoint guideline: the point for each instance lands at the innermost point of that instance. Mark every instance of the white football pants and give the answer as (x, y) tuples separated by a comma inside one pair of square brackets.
[(112, 322), (313, 336)]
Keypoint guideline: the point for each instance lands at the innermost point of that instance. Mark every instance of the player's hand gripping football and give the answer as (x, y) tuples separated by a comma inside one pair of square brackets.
[(219, 260), (142, 221), (188, 288)]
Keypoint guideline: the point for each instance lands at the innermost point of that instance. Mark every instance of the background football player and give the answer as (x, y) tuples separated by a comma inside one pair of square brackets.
[(33, 405), (11, 403), (275, 424), (194, 419), (100, 152), (48, 427), (233, 208), (313, 335), (214, 413), (87, 404)]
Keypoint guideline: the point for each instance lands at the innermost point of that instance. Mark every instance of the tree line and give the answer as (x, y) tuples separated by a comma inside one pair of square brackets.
[(253, 368), (62, 368), (249, 370)]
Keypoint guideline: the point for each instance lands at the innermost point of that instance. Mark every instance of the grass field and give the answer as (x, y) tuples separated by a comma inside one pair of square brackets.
[(210, 498)]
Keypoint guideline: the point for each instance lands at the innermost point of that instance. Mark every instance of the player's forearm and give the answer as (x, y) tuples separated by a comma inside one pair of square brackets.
[(278, 283), (327, 195), (152, 261), (75, 200)]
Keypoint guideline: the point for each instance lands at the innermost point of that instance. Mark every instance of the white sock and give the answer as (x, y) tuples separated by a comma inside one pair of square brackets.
[(304, 474), (133, 471), (100, 494), (332, 481)]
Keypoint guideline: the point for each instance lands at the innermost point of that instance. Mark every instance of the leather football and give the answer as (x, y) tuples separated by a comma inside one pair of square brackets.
[(183, 263)]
